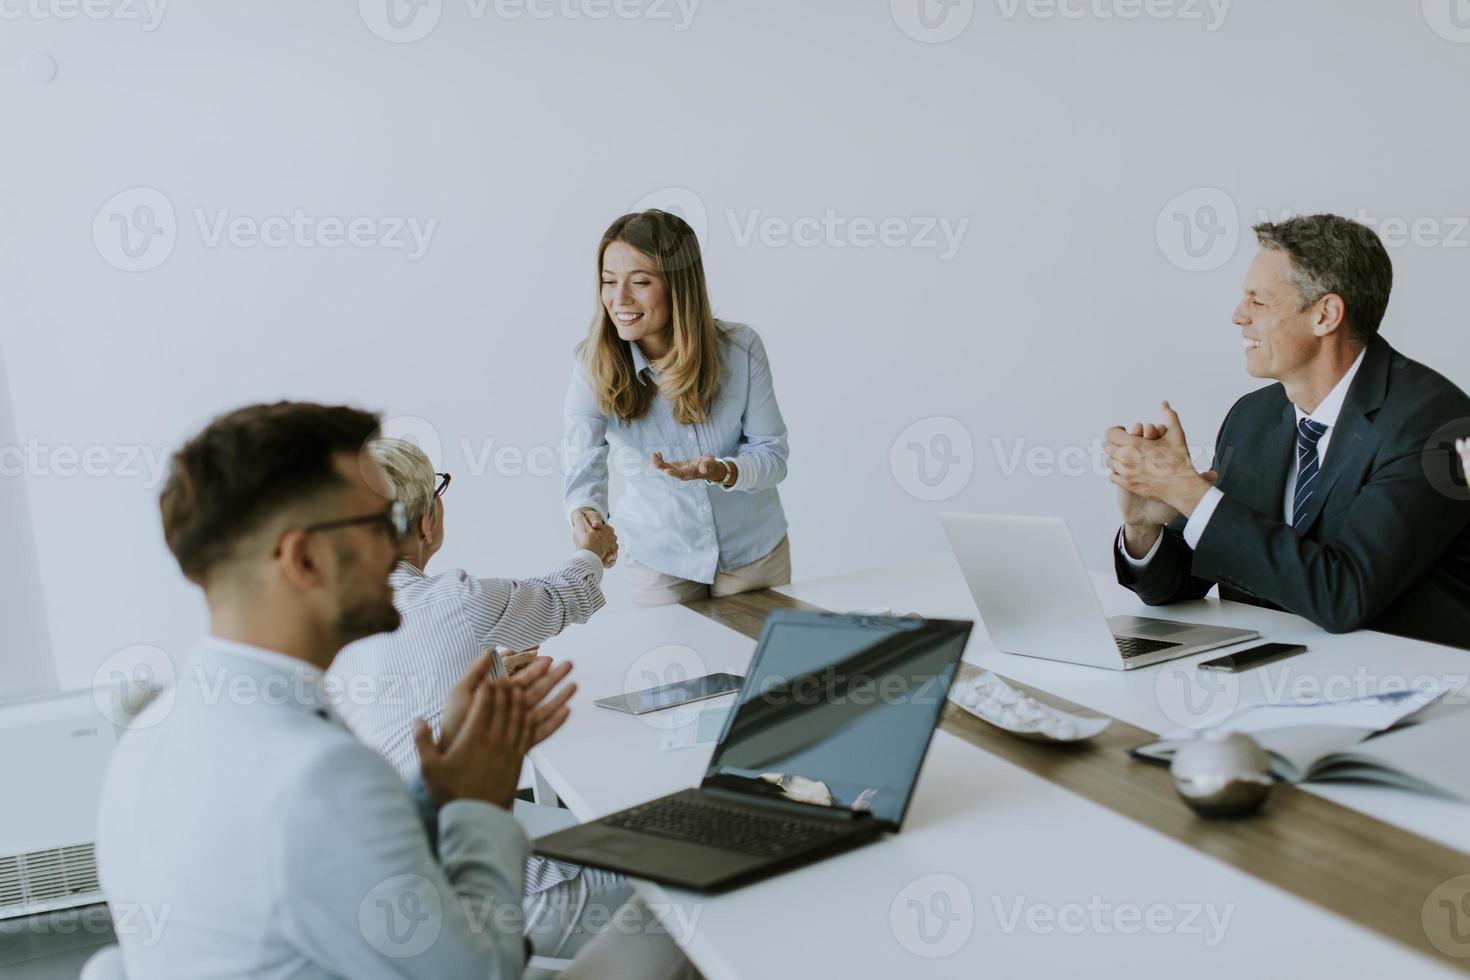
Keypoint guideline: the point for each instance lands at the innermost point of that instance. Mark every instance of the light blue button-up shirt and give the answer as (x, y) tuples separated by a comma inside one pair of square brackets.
[(247, 833), (686, 528)]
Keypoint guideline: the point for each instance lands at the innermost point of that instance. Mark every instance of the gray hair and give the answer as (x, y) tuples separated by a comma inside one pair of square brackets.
[(410, 475), (1331, 254)]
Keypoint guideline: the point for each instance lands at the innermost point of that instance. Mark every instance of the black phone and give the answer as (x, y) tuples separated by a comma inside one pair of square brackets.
[(1256, 656)]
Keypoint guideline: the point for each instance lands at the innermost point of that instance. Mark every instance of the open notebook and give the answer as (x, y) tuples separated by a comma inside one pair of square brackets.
[(1410, 740)]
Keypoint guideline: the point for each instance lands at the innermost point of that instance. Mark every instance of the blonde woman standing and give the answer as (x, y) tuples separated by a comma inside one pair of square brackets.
[(689, 400)]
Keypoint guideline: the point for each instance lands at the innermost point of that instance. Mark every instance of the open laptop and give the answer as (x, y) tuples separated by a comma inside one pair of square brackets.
[(819, 755), (1036, 599)]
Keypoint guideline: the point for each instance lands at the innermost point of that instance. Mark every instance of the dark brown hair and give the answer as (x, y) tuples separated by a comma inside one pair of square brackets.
[(246, 466)]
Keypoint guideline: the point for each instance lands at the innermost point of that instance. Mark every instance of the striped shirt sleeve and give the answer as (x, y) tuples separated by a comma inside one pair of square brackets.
[(520, 613)]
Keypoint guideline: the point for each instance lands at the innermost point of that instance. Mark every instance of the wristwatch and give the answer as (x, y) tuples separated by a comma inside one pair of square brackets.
[(728, 473)]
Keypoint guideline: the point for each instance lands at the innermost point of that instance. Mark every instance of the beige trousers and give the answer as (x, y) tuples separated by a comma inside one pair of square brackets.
[(651, 588)]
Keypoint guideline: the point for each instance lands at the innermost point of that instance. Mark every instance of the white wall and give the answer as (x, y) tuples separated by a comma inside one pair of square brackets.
[(1060, 141), (26, 666)]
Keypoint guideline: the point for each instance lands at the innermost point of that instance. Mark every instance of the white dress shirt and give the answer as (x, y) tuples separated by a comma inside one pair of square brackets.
[(1325, 414), (271, 843), (688, 529), (382, 683)]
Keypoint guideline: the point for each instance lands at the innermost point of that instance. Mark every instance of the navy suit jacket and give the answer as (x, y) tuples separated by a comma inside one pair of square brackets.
[(1386, 543)]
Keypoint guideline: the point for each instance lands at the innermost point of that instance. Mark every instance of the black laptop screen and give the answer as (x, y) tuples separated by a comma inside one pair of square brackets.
[(838, 710)]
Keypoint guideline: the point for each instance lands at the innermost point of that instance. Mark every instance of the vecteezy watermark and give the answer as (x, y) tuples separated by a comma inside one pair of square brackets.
[(1019, 454), (135, 686), (147, 13), (142, 922), (673, 919), (1193, 698), (659, 667), (147, 464), (137, 229), (943, 235), (401, 916), (940, 233), (406, 21), (837, 688), (932, 21), (1200, 699), (1449, 231), (1445, 916), (1099, 917), (934, 458), (1199, 230), (1210, 14), (1450, 19), (1443, 467), (933, 916), (680, 201)]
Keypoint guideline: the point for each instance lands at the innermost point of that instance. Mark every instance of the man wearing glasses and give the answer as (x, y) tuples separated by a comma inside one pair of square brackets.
[(244, 813), (450, 619)]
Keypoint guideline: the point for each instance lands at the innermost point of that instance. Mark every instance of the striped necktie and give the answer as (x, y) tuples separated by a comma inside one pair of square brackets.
[(1308, 434)]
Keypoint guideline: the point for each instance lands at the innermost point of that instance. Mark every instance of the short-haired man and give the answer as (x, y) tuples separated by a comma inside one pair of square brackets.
[(1333, 497), (277, 843), (449, 620)]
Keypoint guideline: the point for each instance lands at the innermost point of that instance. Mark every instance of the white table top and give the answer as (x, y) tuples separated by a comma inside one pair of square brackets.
[(1009, 872), (1171, 696)]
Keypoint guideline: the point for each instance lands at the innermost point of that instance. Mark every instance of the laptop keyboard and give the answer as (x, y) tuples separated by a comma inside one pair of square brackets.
[(1137, 646), (733, 829)]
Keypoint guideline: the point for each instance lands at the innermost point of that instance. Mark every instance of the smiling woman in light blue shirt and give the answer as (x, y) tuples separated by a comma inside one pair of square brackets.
[(683, 407)]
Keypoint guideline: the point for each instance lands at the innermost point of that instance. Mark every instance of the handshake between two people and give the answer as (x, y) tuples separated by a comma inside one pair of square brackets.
[(1156, 479), (487, 728), (592, 532)]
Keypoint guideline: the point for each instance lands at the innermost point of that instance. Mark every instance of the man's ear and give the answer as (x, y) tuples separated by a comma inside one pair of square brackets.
[(1331, 315), (295, 561), (426, 525)]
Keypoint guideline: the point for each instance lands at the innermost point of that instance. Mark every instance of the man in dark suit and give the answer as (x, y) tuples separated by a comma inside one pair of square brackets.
[(1337, 494)]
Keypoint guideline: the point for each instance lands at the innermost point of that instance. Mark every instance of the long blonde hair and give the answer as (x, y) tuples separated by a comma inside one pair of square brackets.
[(689, 374)]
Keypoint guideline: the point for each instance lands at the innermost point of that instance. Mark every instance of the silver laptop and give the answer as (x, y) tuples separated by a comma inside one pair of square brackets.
[(1036, 599)]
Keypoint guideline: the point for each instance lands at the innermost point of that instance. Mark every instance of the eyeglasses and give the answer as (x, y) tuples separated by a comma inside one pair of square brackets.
[(395, 519), (444, 479)]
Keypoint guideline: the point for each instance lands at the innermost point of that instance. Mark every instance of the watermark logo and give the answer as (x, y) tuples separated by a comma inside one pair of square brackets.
[(147, 464), (1445, 916), (1450, 231), (933, 916), (1193, 698), (934, 458), (661, 666), (135, 230), (940, 233), (401, 21), (131, 680), (1210, 13), (148, 14), (1443, 466), (401, 916), (679, 201), (1199, 230), (1450, 19), (932, 21), (418, 431), (1100, 917)]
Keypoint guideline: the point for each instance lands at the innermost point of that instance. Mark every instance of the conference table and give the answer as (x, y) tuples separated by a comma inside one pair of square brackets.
[(1020, 858)]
